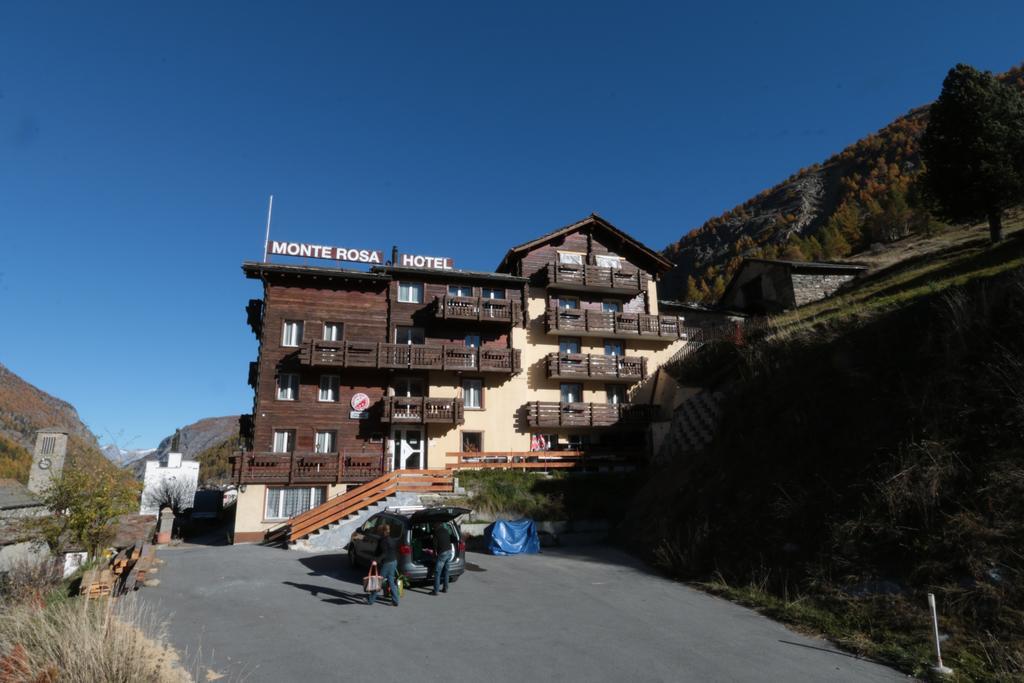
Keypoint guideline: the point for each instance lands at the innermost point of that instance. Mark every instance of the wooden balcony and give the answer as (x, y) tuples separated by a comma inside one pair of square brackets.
[(455, 357), (254, 374), (305, 468), (254, 315), (592, 366), (478, 309), (422, 410), (572, 277), (550, 414), (579, 323)]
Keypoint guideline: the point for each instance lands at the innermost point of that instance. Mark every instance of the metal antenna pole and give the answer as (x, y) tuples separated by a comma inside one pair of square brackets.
[(940, 668), (266, 240)]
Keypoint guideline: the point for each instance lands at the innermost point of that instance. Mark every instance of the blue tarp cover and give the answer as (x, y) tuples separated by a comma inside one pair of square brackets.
[(512, 538)]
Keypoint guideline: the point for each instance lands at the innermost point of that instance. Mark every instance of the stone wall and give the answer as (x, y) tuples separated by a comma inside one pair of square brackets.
[(808, 288)]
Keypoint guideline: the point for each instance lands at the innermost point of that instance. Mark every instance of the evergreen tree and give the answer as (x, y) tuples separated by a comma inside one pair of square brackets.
[(974, 148)]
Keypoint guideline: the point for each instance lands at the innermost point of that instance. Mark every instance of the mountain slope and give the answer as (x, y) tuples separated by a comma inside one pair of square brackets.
[(868, 193), (209, 440), (24, 409)]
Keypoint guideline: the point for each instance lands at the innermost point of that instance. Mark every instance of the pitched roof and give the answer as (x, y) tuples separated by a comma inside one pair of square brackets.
[(659, 262), (256, 270), (454, 274), (13, 495)]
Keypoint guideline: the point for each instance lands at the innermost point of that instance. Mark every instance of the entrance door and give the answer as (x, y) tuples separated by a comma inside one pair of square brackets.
[(408, 448)]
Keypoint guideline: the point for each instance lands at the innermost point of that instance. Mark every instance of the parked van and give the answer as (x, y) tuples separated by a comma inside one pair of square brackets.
[(414, 532)]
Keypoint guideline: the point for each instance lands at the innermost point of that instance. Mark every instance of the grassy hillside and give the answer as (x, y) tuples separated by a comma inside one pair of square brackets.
[(24, 409), (868, 193), (893, 467)]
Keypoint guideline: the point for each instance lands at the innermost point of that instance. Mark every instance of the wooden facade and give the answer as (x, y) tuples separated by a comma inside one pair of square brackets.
[(408, 338)]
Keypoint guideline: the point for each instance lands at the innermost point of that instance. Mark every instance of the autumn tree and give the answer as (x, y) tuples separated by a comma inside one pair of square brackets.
[(83, 507), (973, 148)]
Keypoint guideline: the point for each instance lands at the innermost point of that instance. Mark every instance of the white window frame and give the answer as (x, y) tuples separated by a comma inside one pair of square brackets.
[(562, 392), (613, 261), (410, 288), (617, 306), (295, 339), (334, 331), (288, 386), (493, 293), (330, 386), (316, 496), (329, 438), (412, 329), (615, 394), (565, 299), (570, 340), (459, 289), (284, 441), (572, 258), (410, 386), (479, 387)]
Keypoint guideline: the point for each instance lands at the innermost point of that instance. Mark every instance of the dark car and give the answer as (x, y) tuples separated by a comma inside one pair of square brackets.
[(414, 531)]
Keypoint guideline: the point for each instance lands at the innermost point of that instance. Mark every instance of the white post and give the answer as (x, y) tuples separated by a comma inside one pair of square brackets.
[(266, 240), (940, 668)]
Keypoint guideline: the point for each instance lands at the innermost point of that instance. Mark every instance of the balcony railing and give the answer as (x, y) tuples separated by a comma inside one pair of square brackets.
[(254, 315), (305, 468), (595, 278), (581, 323), (478, 309), (550, 414), (422, 410), (592, 366), (354, 354)]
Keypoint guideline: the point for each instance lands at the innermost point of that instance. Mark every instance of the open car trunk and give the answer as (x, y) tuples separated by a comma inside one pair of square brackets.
[(421, 525)]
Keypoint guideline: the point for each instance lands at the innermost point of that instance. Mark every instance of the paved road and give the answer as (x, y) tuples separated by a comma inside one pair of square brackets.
[(580, 614)]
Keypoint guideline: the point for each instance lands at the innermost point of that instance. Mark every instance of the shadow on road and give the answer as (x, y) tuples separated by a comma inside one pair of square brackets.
[(337, 597)]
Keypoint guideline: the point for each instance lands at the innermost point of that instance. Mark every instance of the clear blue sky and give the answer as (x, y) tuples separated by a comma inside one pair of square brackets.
[(139, 143)]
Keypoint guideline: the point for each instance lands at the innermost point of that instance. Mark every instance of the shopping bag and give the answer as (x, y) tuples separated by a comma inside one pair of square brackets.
[(371, 582)]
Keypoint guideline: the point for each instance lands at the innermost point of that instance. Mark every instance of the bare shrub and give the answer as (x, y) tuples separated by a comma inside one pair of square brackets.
[(29, 579), (83, 640)]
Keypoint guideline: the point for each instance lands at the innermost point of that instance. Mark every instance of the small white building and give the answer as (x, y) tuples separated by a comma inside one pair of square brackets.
[(169, 482)]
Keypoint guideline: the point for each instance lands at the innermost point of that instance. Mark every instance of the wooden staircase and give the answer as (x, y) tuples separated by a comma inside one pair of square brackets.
[(359, 498)]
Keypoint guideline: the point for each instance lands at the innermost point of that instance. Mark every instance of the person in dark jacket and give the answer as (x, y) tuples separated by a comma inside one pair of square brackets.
[(444, 551), (386, 558)]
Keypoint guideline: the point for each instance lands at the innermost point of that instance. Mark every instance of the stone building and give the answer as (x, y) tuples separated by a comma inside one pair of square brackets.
[(765, 286)]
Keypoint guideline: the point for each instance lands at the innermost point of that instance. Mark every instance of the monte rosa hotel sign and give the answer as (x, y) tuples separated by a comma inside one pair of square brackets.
[(325, 252), (373, 256)]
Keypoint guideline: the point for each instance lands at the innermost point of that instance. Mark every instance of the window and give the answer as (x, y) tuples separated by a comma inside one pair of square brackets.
[(611, 306), (292, 333), (333, 331), (569, 345), (609, 261), (489, 293), (615, 394), (284, 440), (472, 341), (460, 290), (569, 303), (613, 347), (283, 503), (410, 292), (326, 442), (473, 393), (571, 257), (329, 387), (287, 386), (571, 393), (409, 335), (408, 386), (472, 442), (577, 442)]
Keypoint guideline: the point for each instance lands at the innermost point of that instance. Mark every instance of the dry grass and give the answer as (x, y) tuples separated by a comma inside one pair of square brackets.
[(80, 640)]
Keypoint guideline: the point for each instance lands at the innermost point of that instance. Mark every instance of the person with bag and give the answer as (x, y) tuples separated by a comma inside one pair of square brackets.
[(444, 551), (387, 556)]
